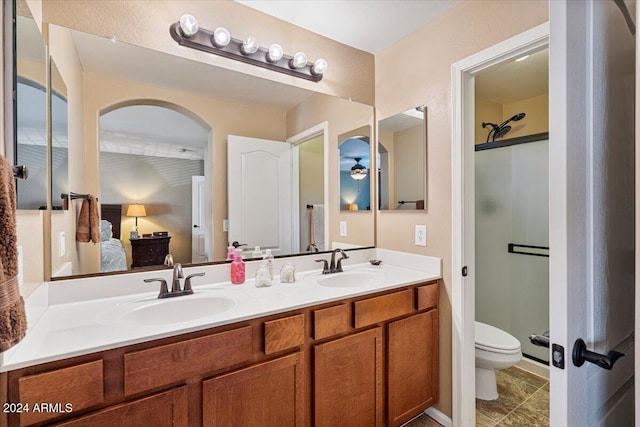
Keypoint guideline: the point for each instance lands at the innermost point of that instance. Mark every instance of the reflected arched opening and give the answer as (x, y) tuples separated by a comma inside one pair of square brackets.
[(155, 154)]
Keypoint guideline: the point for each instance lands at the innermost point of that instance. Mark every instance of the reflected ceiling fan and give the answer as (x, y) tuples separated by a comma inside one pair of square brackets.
[(358, 172)]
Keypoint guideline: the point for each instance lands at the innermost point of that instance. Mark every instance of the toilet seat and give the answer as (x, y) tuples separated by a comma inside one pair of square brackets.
[(492, 339)]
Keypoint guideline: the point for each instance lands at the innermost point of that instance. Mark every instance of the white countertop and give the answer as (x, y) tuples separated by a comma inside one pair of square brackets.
[(61, 326)]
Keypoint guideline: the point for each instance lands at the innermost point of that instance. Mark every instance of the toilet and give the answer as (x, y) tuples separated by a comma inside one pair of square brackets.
[(495, 349)]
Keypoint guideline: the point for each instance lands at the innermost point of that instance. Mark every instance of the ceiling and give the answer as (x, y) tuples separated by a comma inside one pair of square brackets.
[(514, 81), (369, 25)]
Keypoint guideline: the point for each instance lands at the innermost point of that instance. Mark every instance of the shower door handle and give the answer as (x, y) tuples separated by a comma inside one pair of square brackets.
[(581, 355)]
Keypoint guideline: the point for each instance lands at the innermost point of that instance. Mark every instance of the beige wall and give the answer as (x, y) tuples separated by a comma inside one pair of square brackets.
[(146, 23), (30, 237), (485, 111), (406, 144), (342, 116), (63, 53), (535, 121), (311, 154), (451, 37)]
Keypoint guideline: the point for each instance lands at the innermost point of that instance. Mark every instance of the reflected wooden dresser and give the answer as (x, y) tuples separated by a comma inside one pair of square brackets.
[(147, 251)]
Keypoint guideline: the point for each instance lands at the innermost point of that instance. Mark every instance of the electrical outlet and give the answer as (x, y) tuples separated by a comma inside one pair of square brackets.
[(421, 235), (225, 225), (343, 228)]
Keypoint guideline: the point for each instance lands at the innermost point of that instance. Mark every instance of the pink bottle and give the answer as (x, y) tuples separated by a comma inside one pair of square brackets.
[(237, 268)]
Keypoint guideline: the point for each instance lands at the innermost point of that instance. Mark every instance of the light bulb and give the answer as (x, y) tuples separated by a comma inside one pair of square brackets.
[(319, 67), (275, 53), (249, 46), (188, 25), (221, 37), (299, 60)]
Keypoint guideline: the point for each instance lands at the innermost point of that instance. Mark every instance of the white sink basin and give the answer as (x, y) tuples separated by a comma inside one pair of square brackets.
[(152, 311), (354, 279)]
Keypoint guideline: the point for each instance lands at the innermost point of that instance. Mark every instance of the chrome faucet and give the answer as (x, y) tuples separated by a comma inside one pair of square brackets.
[(176, 289), (333, 267), (177, 275)]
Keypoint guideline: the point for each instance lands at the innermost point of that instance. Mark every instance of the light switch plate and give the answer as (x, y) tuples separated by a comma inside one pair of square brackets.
[(62, 243), (421, 235), (343, 228), (225, 225)]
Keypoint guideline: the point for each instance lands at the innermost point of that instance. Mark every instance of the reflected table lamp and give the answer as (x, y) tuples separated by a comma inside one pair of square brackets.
[(136, 211)]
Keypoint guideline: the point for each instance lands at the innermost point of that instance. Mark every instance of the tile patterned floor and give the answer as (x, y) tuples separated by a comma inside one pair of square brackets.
[(523, 401), (422, 421)]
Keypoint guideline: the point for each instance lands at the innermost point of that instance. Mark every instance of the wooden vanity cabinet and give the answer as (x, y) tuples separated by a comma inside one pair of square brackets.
[(412, 357), (370, 360), (270, 394), (348, 386), (168, 409)]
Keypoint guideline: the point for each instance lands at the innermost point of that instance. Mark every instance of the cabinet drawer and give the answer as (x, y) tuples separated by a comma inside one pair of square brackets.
[(378, 309), (81, 386), (283, 334), (331, 321), (428, 296), (165, 409), (155, 367)]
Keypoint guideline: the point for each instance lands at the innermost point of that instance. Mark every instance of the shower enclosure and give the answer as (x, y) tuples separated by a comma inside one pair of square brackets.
[(512, 239)]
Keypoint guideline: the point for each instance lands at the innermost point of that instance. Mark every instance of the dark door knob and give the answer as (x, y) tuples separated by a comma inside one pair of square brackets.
[(196, 226), (581, 355)]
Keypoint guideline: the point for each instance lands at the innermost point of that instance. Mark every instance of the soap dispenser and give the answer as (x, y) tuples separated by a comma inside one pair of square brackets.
[(268, 260), (230, 253), (257, 253), (237, 268)]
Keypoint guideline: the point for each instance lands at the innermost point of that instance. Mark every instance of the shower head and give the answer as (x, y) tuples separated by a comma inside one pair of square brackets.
[(515, 118), (501, 132), (502, 129)]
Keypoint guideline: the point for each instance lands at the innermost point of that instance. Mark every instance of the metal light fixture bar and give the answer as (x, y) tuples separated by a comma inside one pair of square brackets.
[(201, 40)]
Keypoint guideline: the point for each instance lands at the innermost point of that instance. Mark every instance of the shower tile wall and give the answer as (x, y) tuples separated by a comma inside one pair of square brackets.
[(512, 291)]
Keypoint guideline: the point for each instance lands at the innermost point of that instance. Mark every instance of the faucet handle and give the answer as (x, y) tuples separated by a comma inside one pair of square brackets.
[(187, 281), (325, 268), (164, 290), (168, 260)]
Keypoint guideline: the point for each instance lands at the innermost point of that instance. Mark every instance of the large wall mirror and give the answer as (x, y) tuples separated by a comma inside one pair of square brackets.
[(30, 138), (402, 161), (180, 155)]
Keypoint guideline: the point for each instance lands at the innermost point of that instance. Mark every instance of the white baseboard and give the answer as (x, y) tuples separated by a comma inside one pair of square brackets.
[(534, 367), (439, 417)]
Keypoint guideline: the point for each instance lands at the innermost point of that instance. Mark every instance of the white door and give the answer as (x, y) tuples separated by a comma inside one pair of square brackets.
[(259, 193), (591, 210), (198, 222)]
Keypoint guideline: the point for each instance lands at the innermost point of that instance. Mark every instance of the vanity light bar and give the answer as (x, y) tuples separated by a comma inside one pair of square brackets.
[(202, 39)]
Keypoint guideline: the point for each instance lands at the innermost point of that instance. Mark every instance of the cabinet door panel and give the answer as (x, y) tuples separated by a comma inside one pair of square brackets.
[(413, 366), (167, 409), (265, 395), (348, 381)]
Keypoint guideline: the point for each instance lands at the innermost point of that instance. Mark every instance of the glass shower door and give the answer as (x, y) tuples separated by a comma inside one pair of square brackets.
[(512, 205)]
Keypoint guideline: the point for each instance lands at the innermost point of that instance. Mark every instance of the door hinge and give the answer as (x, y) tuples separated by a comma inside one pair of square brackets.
[(465, 271)]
